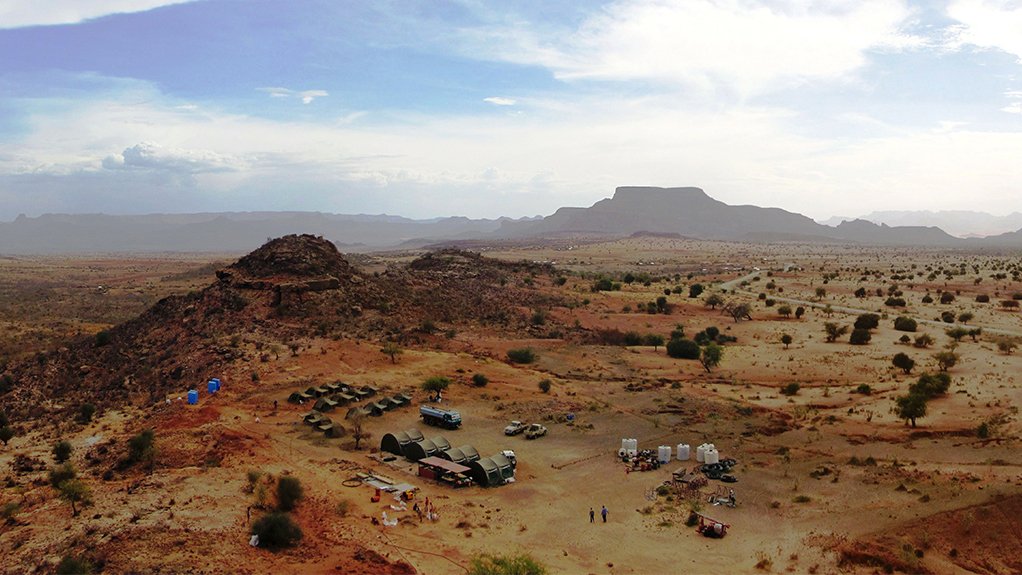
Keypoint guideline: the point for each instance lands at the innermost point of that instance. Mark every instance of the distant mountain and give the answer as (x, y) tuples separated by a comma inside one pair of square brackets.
[(691, 212), (960, 223), (222, 232), (674, 212)]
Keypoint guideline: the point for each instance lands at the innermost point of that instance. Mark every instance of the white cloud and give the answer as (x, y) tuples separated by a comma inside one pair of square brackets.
[(749, 46), (306, 96), (151, 156), (22, 13), (499, 101), (1013, 108), (993, 24)]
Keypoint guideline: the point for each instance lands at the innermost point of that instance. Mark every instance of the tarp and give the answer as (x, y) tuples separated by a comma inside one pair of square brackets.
[(443, 464)]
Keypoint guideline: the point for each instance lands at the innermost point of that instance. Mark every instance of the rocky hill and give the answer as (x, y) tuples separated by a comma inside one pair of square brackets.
[(275, 299)]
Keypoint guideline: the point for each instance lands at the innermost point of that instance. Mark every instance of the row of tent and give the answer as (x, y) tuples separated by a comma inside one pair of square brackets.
[(486, 471), (339, 392)]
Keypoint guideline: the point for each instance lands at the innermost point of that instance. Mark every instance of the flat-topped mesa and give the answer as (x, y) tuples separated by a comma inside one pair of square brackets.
[(293, 263)]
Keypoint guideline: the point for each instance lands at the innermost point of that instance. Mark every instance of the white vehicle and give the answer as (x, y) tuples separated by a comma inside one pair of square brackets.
[(514, 428), (535, 430)]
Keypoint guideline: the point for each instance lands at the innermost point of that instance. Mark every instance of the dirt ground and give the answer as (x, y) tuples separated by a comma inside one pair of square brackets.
[(830, 480)]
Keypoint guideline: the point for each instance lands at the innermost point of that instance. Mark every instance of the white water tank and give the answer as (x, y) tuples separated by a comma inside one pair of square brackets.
[(633, 447), (683, 452), (664, 454), (711, 456), (701, 453)]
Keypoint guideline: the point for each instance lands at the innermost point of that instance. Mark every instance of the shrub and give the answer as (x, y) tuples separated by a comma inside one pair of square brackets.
[(683, 349), (70, 565), (62, 473), (867, 321), (947, 297), (85, 412), (436, 384), (860, 336), (289, 493), (62, 451), (633, 338), (521, 355), (927, 298), (791, 389), (983, 431), (6, 433), (141, 447), (487, 564), (905, 324), (103, 338), (864, 389), (982, 298), (544, 386), (930, 386), (695, 290), (895, 302), (480, 380), (276, 530), (903, 362)]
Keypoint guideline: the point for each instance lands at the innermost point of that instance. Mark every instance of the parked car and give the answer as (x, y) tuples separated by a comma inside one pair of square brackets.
[(514, 428), (535, 430)]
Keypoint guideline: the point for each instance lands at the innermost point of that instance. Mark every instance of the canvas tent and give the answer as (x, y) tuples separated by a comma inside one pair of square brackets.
[(471, 453), (454, 454), (346, 397), (420, 449), (492, 471), (370, 390), (313, 417), (396, 443), (388, 403), (325, 404), (375, 409), (441, 443), (397, 401), (356, 411), (299, 397)]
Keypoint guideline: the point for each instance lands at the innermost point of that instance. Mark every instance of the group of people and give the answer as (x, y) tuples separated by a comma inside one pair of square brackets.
[(427, 510), (592, 514)]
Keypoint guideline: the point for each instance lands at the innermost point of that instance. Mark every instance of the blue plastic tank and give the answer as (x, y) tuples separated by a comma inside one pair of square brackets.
[(193, 396)]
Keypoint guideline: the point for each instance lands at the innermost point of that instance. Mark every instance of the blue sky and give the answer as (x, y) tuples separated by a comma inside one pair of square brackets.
[(484, 109)]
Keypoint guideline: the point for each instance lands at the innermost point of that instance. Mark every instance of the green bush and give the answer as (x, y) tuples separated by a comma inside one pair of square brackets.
[(62, 451), (141, 447), (864, 389), (74, 566), (289, 493), (860, 336), (487, 564), (277, 530), (103, 338), (62, 473), (85, 412), (521, 355), (905, 324), (983, 431), (544, 386), (791, 389), (479, 380), (683, 349)]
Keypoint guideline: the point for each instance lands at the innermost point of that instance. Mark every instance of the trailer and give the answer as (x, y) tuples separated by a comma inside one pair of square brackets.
[(446, 418)]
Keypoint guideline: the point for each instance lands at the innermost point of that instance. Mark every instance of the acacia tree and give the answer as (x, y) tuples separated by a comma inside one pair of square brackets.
[(834, 331), (74, 491), (713, 300), (391, 348), (786, 340), (946, 359), (710, 356), (358, 431), (903, 362), (911, 407)]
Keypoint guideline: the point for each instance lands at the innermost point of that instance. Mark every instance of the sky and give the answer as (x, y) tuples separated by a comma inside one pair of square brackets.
[(483, 109)]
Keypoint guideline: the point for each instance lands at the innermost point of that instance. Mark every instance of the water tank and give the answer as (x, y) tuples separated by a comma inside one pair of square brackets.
[(711, 456), (701, 453), (193, 396), (683, 452), (664, 454), (633, 447)]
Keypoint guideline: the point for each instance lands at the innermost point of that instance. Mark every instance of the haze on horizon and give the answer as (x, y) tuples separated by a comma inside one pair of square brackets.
[(485, 110)]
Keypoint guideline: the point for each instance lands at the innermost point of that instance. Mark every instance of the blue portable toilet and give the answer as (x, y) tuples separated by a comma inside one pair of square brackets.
[(217, 380), (211, 386), (193, 396)]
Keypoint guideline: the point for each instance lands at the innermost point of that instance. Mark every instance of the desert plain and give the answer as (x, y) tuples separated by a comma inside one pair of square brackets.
[(830, 477)]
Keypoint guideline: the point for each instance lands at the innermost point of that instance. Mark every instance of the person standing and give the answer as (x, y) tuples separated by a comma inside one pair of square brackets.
[(592, 515), (603, 512)]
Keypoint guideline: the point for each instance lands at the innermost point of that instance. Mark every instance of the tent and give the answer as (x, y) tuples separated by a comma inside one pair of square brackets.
[(403, 397), (333, 387), (396, 401), (420, 449), (361, 393), (395, 443), (485, 472), (492, 471), (346, 397), (471, 453), (454, 454), (331, 429), (441, 443), (376, 409), (299, 397), (414, 435), (356, 411), (325, 404), (370, 390), (387, 403), (313, 417)]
